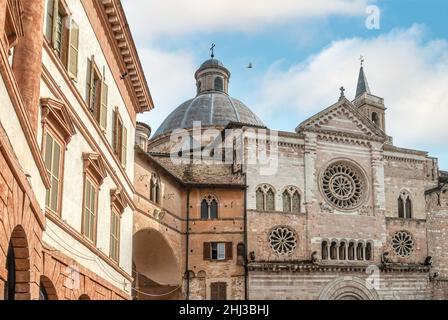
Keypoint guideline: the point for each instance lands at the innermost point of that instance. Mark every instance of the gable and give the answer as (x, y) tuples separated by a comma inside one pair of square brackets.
[(342, 117)]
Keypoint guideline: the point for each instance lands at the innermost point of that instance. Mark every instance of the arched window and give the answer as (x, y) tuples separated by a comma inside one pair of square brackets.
[(404, 205), (286, 202), (209, 208), (265, 198), (351, 251), (260, 200), (334, 250), (368, 251), (360, 251), (342, 251), (154, 189), (219, 84), (324, 250), (270, 200), (296, 202), (376, 119), (291, 200)]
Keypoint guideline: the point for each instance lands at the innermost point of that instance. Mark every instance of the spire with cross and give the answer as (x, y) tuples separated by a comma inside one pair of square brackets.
[(212, 50)]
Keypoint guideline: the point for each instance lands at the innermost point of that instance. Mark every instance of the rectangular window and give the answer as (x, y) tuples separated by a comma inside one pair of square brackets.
[(218, 291), (98, 95), (218, 251), (63, 33), (53, 152), (115, 236), (90, 206), (120, 136)]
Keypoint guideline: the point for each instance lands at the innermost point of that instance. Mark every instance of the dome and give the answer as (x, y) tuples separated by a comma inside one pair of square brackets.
[(212, 63), (212, 109)]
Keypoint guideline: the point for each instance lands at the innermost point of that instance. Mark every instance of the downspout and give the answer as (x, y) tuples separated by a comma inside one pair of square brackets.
[(187, 245), (246, 271)]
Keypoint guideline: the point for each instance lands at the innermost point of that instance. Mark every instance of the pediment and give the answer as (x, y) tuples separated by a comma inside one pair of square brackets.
[(118, 199), (342, 117), (95, 166), (56, 114)]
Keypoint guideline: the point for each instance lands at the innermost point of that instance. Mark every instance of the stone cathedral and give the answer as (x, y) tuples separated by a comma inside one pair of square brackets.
[(338, 211)]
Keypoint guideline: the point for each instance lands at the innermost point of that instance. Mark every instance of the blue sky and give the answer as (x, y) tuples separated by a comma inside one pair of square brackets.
[(302, 52)]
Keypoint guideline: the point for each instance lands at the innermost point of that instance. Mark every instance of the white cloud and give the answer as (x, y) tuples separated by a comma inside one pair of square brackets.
[(155, 18), (409, 72), (170, 76)]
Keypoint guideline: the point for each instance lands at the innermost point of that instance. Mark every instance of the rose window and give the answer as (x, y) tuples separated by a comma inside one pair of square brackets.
[(403, 244), (283, 241), (343, 186)]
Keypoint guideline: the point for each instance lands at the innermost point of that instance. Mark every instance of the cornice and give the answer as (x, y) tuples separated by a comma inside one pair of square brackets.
[(119, 33)]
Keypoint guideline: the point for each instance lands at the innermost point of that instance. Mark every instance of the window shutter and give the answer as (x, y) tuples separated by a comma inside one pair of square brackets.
[(54, 30), (49, 22), (104, 103), (91, 83), (207, 251), (73, 48), (229, 251), (124, 150), (114, 131)]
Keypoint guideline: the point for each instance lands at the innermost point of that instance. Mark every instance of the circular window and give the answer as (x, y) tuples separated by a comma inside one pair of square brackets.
[(403, 244), (343, 186), (283, 241)]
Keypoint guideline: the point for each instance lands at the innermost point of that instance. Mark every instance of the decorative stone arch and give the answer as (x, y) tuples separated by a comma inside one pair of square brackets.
[(84, 297), (263, 194), (405, 204), (348, 288), (18, 266), (289, 193), (47, 289), (155, 189), (209, 207)]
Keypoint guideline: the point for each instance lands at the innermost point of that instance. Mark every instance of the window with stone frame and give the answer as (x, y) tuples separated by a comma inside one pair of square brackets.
[(209, 208), (155, 189), (218, 291), (53, 163), (63, 34), (218, 251), (97, 93), (57, 132), (94, 175), (405, 205), (118, 204), (219, 84), (291, 200), (120, 136), (115, 223), (265, 198)]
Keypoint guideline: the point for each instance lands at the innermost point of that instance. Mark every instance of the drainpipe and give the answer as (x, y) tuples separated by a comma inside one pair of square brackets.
[(187, 245), (246, 271)]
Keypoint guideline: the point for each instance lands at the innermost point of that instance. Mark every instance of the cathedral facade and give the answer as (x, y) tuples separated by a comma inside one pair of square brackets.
[(333, 210)]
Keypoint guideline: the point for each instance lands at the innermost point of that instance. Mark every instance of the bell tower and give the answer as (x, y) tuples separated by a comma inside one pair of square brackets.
[(369, 105)]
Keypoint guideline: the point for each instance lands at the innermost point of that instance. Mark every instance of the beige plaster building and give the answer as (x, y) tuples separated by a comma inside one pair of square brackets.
[(71, 87)]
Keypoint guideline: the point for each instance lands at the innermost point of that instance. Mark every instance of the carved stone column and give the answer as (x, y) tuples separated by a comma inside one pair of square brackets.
[(27, 65)]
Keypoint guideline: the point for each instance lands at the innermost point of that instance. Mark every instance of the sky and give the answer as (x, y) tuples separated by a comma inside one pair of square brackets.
[(303, 52)]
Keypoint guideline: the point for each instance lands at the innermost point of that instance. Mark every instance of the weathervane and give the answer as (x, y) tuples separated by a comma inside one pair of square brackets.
[(212, 49), (361, 58)]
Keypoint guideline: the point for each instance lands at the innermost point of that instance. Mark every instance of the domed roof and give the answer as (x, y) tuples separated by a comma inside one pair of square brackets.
[(212, 63), (211, 109)]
